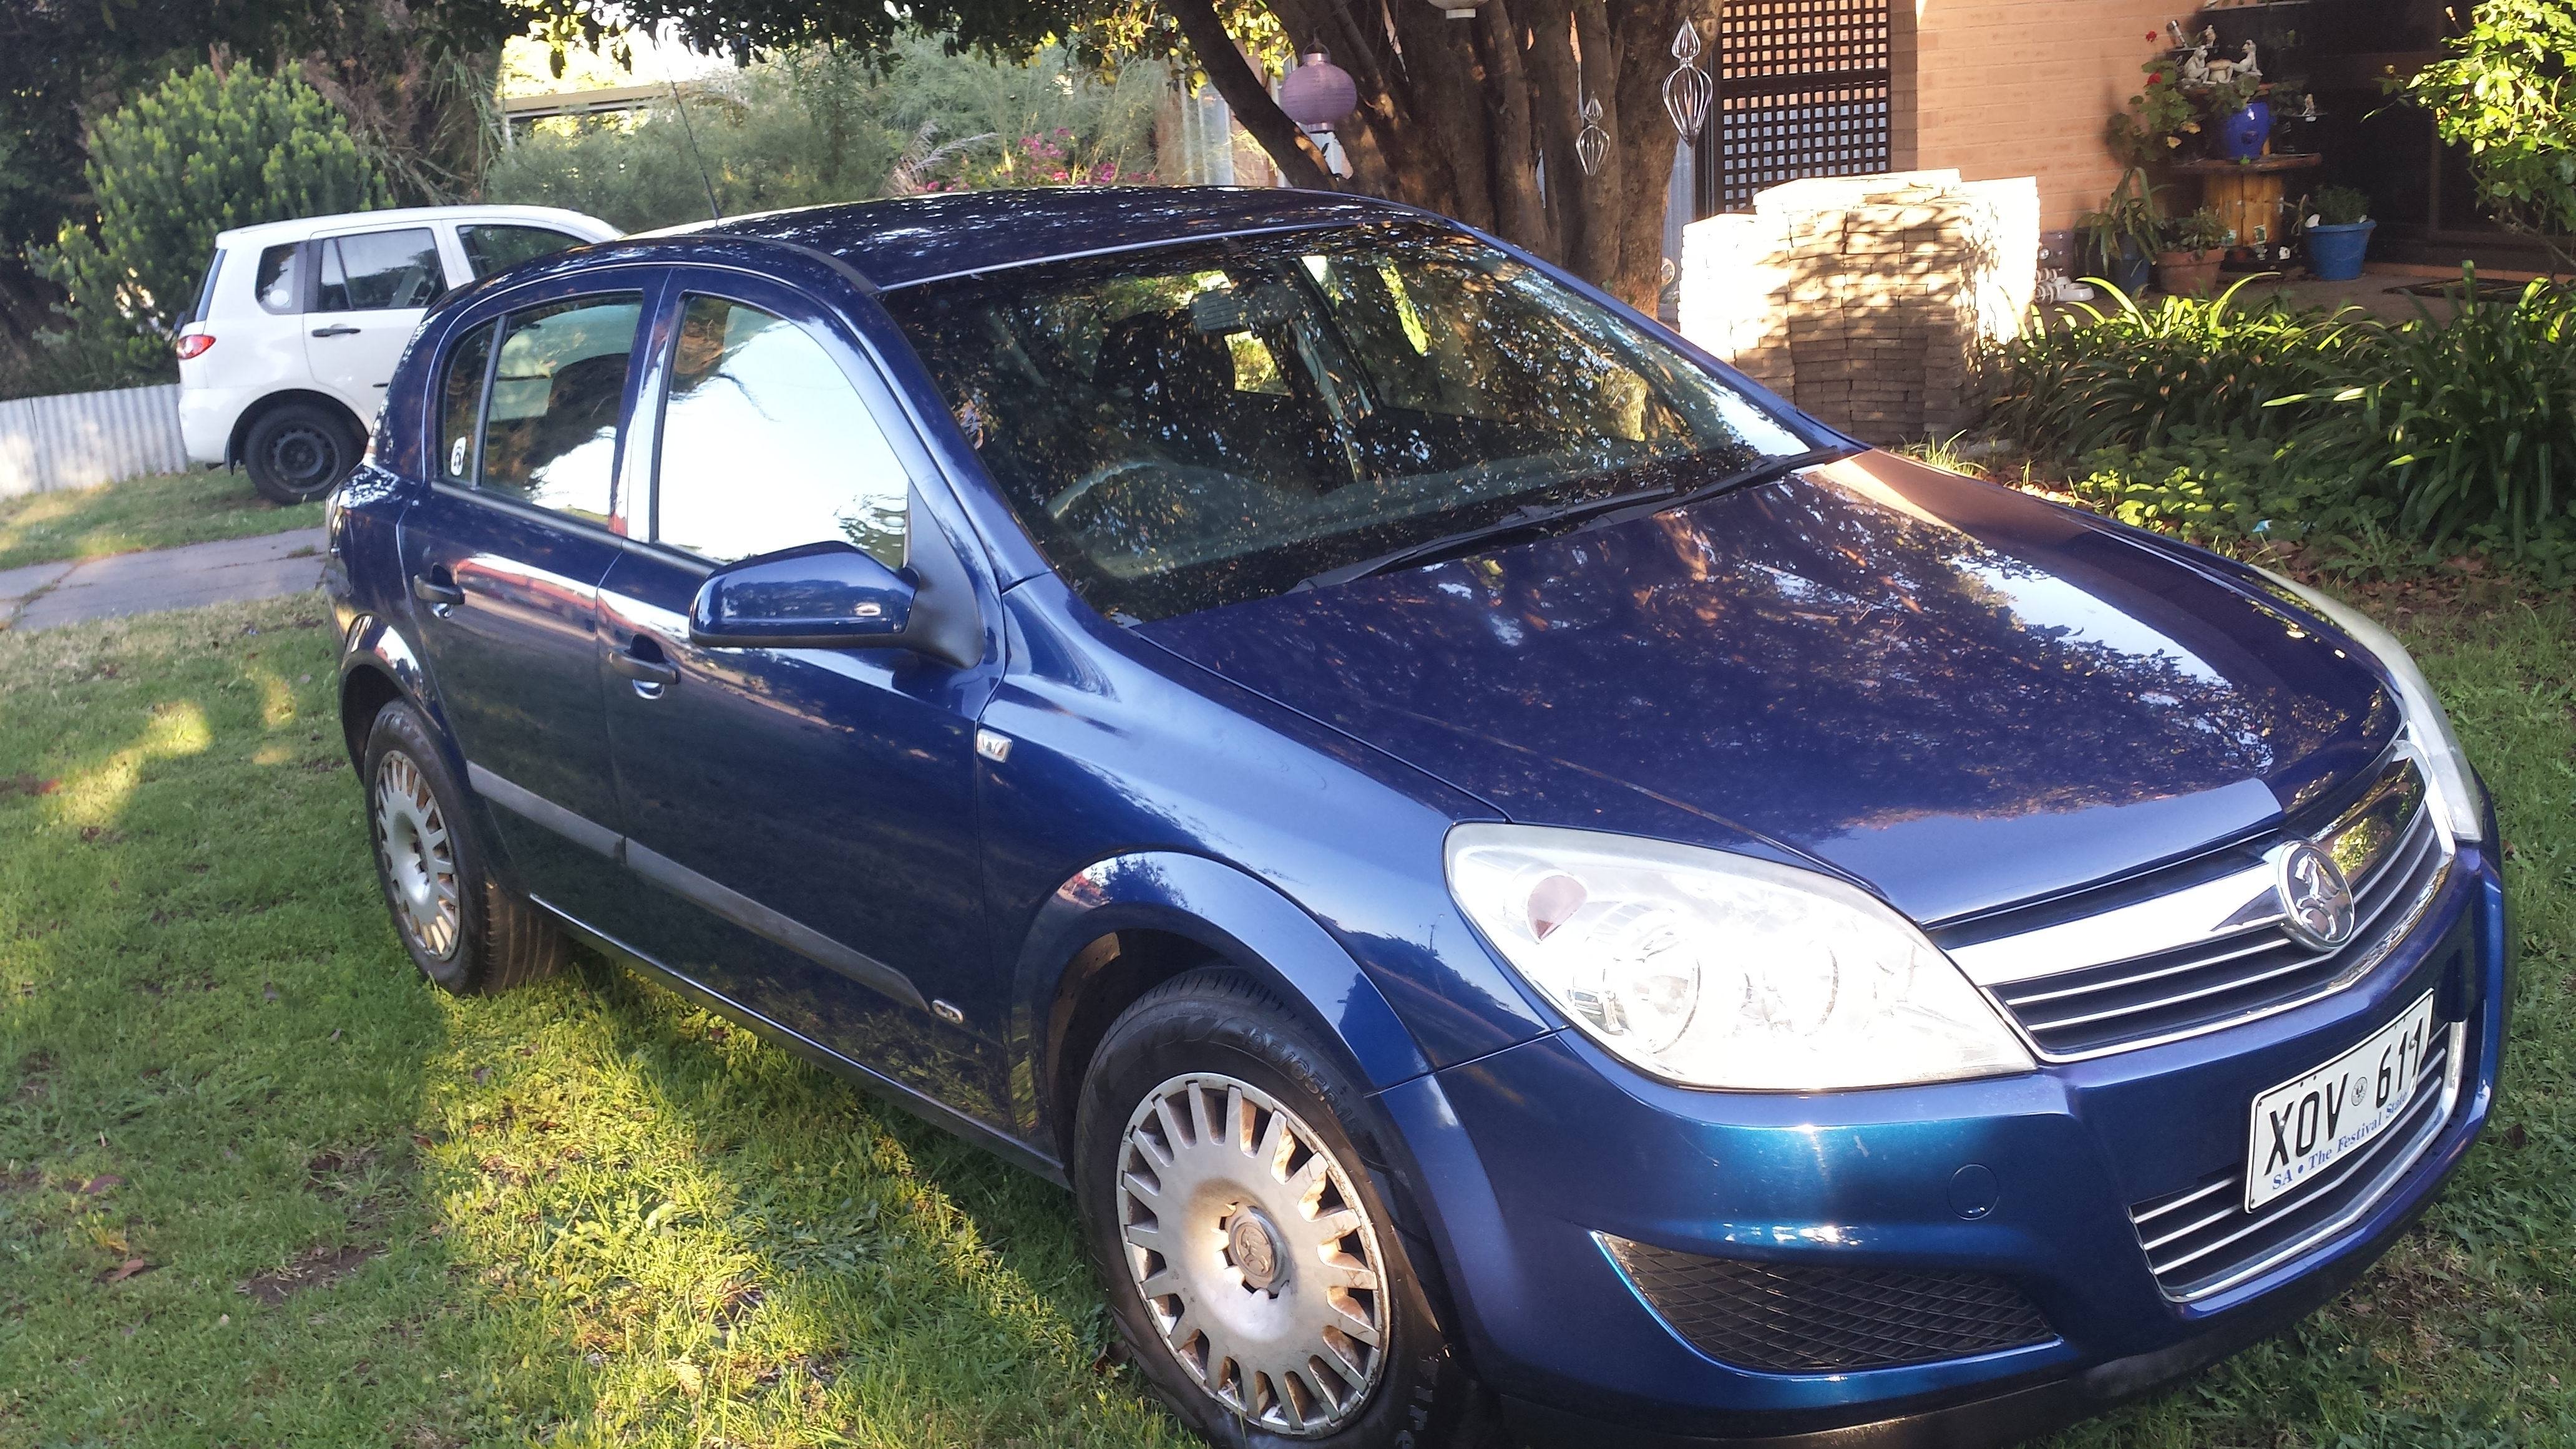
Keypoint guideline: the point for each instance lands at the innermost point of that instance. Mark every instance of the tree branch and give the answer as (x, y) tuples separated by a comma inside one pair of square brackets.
[(1300, 162)]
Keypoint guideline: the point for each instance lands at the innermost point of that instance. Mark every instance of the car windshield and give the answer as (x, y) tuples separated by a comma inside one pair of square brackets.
[(1205, 425)]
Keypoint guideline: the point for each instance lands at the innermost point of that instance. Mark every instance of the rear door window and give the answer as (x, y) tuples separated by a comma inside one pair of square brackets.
[(491, 248), (460, 403), (280, 283), (379, 271), (550, 427)]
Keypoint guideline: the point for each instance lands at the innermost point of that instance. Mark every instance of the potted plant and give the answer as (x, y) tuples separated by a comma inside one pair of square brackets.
[(2188, 264), (2338, 232), (2123, 232)]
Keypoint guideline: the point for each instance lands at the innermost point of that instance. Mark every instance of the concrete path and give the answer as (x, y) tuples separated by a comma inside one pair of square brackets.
[(44, 595)]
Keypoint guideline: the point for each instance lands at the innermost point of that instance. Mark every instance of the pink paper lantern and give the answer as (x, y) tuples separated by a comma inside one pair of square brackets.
[(1318, 93)]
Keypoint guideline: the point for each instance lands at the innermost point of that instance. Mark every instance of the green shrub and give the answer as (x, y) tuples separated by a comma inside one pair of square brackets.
[(818, 125), (2132, 375), (2212, 487), (2470, 424), (203, 152)]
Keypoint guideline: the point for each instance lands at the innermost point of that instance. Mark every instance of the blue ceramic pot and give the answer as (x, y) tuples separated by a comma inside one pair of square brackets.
[(2241, 136), (2334, 252), (2128, 270)]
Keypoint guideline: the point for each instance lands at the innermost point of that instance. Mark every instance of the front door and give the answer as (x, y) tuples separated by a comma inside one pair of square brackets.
[(503, 558), (800, 822), (369, 290)]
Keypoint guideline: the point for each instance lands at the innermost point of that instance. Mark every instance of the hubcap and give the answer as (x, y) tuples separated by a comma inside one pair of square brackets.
[(419, 860), (1256, 1260), (304, 458)]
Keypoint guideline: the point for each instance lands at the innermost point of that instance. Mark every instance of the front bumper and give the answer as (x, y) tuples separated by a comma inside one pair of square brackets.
[(1524, 1156)]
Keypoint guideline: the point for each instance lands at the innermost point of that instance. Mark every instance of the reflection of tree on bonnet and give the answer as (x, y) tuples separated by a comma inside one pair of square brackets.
[(1803, 658)]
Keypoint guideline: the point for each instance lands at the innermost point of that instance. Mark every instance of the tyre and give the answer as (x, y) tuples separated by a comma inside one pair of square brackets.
[(463, 930), (1247, 1250), (299, 451)]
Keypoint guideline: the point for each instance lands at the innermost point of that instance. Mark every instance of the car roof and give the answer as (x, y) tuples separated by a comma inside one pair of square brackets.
[(272, 232), (919, 239)]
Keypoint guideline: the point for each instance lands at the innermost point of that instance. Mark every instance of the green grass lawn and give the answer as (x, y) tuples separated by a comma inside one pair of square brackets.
[(260, 1185), (162, 510)]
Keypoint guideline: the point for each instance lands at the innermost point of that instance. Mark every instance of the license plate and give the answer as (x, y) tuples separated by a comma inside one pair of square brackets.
[(2303, 1126)]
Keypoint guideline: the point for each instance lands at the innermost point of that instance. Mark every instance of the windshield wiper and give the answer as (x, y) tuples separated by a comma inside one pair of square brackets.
[(1765, 471), (1453, 545), (1600, 512)]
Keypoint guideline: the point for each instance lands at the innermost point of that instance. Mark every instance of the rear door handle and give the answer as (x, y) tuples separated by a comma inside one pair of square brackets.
[(654, 672), (436, 592), (339, 330)]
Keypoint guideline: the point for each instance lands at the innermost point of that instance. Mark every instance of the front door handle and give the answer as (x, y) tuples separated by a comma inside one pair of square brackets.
[(439, 593), (652, 674), (336, 330)]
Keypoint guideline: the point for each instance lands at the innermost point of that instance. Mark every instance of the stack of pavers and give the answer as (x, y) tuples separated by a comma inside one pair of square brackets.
[(1865, 300)]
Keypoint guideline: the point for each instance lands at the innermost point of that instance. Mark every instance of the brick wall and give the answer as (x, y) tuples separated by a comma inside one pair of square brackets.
[(2000, 88)]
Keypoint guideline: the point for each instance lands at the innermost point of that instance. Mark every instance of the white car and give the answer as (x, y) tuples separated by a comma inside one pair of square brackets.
[(284, 360)]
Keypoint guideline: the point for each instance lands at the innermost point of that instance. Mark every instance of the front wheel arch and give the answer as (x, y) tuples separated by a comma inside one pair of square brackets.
[(1184, 911)]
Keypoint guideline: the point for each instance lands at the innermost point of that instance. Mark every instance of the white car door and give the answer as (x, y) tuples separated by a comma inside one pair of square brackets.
[(370, 288)]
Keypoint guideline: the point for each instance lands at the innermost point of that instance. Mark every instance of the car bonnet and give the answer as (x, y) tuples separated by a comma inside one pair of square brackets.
[(1959, 695)]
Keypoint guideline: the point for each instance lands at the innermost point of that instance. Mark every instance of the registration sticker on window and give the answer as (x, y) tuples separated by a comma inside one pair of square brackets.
[(2307, 1124)]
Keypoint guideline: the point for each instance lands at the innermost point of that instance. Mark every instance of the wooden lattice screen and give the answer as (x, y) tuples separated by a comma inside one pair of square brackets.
[(1801, 91)]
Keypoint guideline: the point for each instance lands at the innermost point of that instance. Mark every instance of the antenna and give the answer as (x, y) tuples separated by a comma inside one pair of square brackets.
[(714, 212)]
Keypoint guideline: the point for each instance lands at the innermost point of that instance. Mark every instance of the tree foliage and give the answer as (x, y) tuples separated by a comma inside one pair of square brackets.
[(2507, 92), (819, 125), (206, 151), (1476, 118)]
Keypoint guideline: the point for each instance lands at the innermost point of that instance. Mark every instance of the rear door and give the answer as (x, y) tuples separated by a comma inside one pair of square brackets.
[(801, 822), (503, 559), (369, 290)]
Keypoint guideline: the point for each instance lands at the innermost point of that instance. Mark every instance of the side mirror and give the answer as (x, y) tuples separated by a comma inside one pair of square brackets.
[(820, 596)]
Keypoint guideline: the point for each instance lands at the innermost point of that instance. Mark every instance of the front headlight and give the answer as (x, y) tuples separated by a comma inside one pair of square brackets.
[(1716, 970), (2446, 765)]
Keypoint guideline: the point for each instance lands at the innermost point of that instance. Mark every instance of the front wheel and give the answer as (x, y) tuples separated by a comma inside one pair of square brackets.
[(1248, 1253)]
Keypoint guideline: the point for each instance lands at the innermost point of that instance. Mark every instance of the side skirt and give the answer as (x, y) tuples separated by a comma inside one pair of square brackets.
[(928, 1109)]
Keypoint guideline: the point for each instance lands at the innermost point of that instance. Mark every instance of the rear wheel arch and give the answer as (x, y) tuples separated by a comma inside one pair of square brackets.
[(364, 692), (234, 455)]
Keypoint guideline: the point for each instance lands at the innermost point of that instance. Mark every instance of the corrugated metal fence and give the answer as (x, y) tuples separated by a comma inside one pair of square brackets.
[(74, 440)]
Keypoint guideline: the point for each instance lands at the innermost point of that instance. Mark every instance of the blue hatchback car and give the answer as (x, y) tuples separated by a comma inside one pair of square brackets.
[(1525, 887)]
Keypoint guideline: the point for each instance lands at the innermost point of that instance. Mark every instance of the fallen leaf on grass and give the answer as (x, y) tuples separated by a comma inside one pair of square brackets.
[(482, 1075), (101, 1183), (125, 1270), (267, 992), (27, 785), (692, 1380)]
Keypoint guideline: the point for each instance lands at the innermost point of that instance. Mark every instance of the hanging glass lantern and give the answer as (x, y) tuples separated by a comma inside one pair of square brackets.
[(1591, 147), (1318, 93), (1688, 90)]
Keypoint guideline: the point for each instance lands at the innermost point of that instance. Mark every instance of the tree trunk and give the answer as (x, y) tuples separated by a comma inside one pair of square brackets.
[(1477, 119), (1300, 163)]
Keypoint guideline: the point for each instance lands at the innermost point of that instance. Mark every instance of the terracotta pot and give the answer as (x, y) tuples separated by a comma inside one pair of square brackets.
[(2188, 274)]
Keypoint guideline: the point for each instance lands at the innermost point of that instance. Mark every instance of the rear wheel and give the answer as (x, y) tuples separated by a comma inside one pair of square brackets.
[(462, 928), (299, 451), (1249, 1255)]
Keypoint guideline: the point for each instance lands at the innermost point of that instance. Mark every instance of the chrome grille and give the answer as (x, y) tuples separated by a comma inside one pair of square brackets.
[(2202, 1241), (2214, 953)]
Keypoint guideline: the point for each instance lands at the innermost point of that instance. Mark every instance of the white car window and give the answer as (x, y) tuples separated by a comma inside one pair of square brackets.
[(280, 285), (491, 247), (380, 271)]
